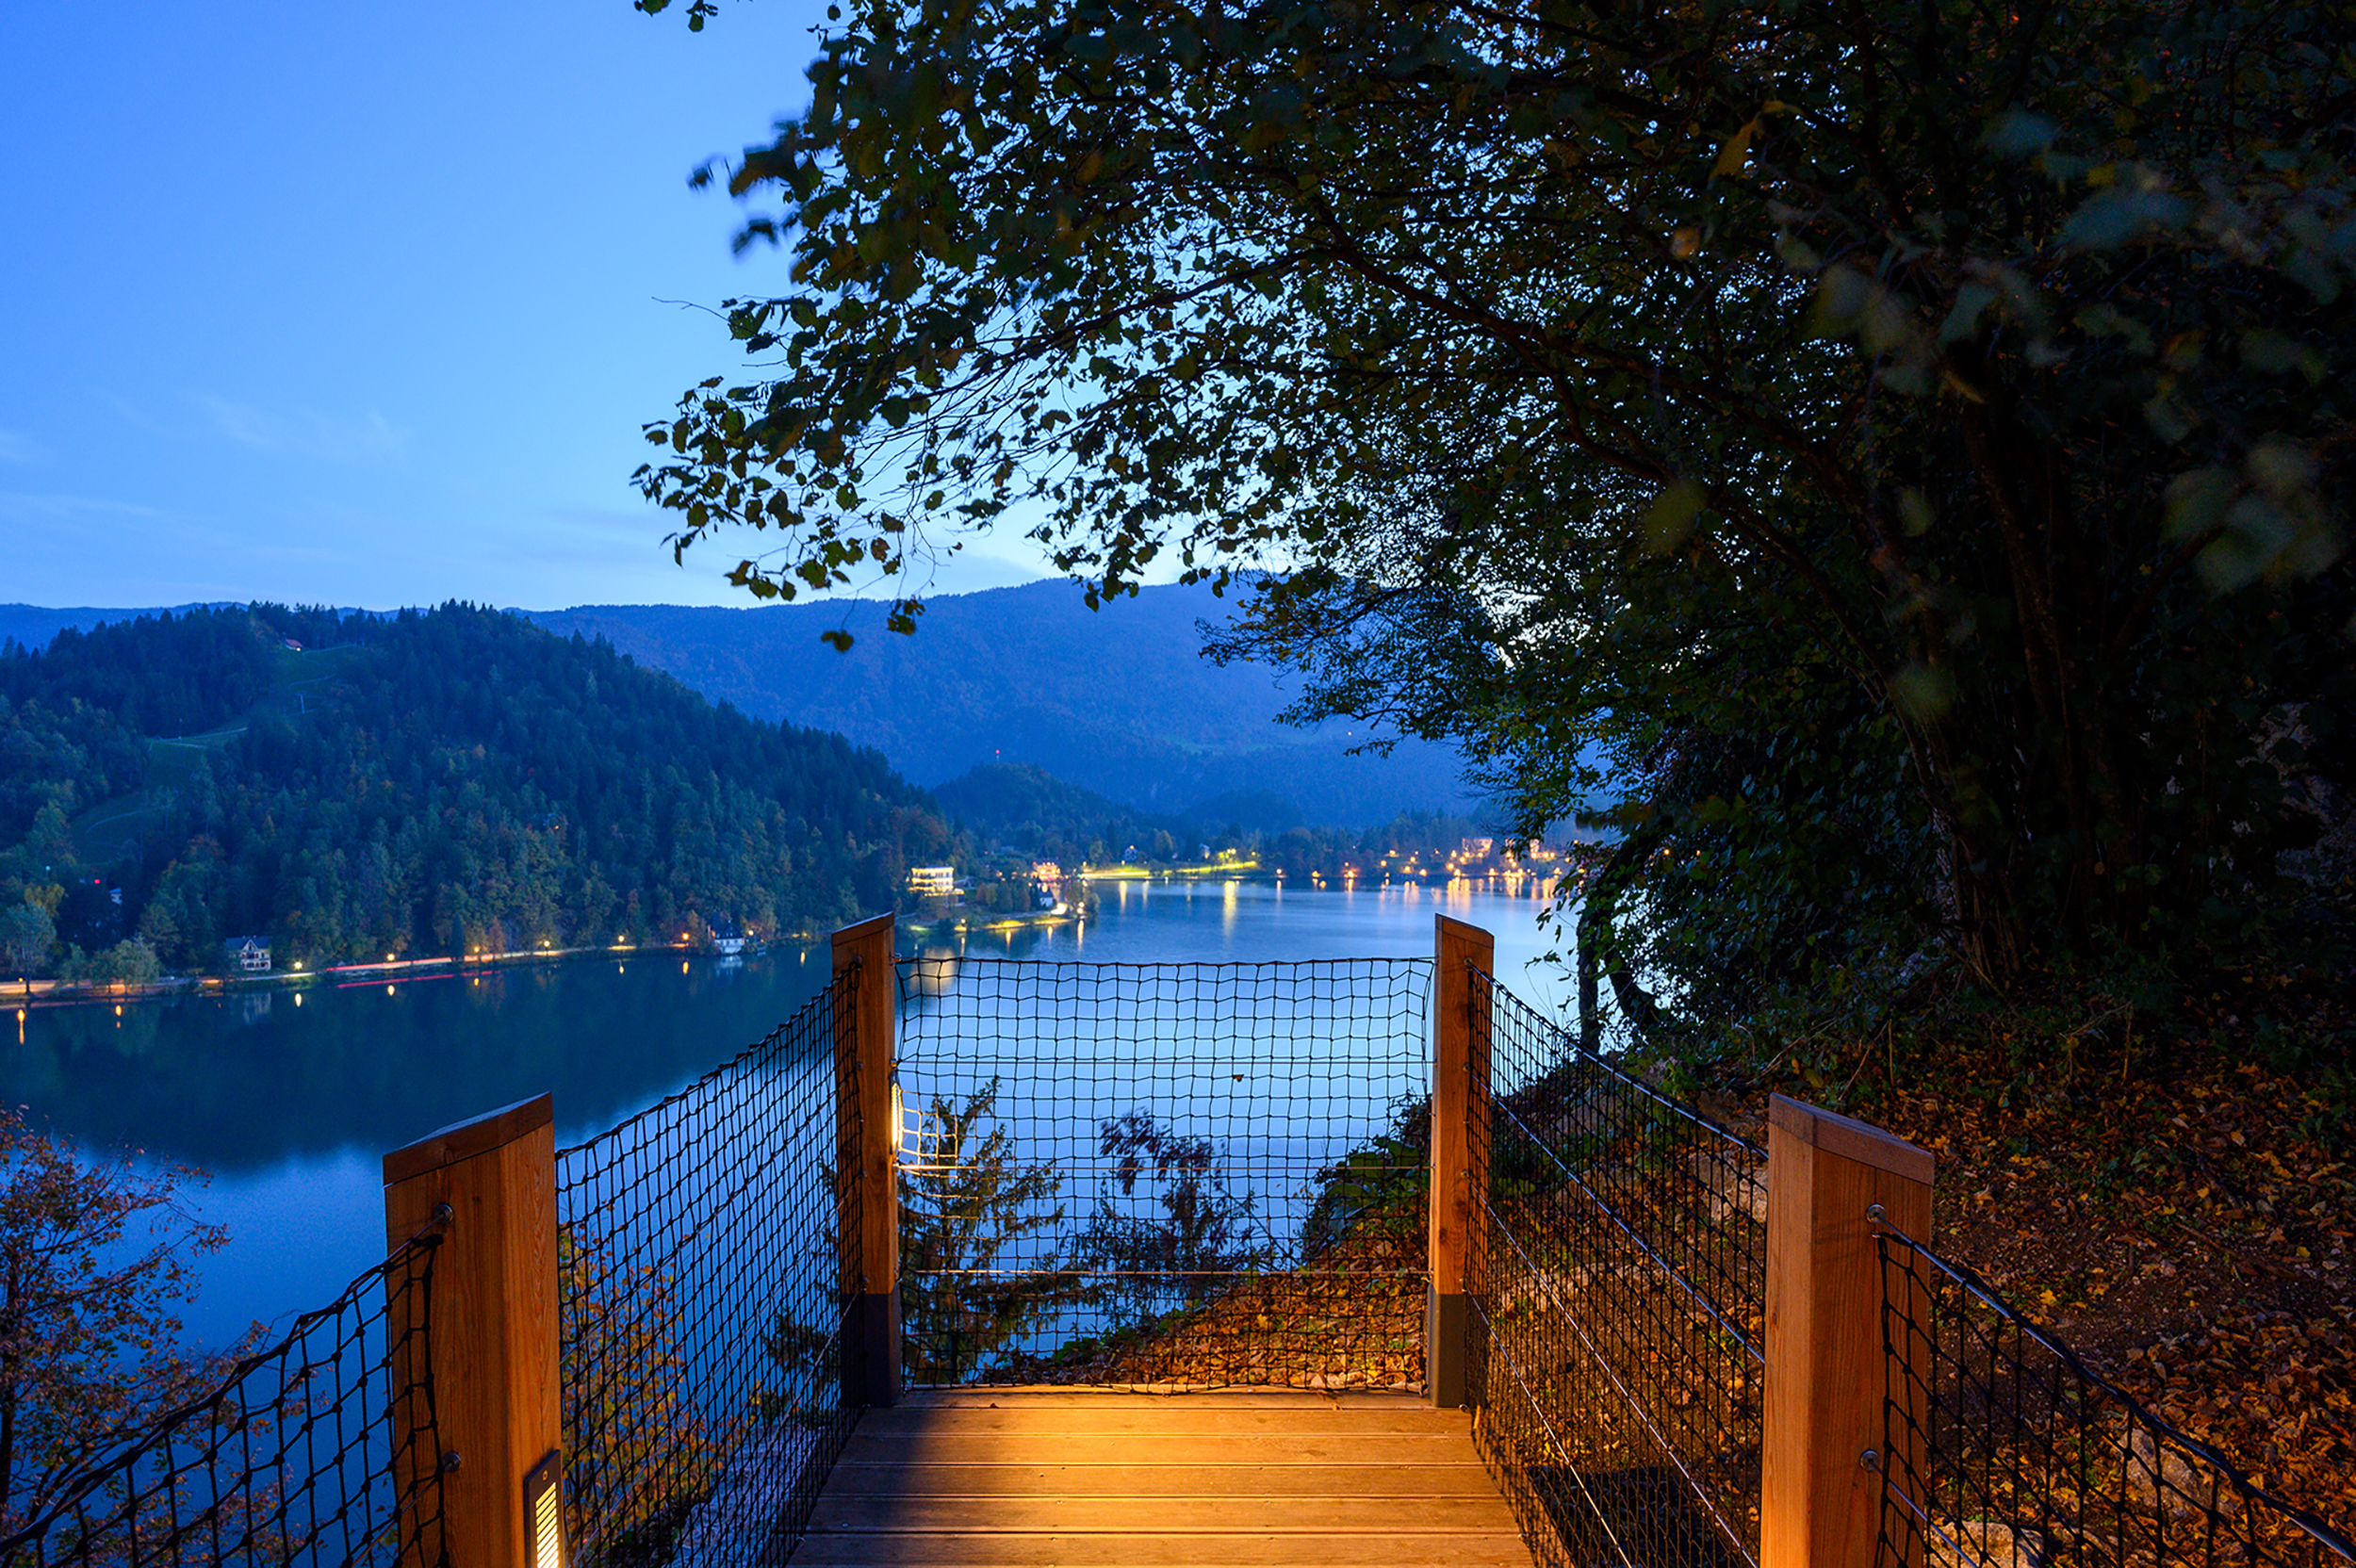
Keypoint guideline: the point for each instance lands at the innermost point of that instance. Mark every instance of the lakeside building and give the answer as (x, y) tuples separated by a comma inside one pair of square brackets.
[(248, 954), (933, 881)]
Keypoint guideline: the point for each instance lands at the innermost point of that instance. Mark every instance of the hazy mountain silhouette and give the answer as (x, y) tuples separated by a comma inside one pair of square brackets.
[(35, 624), (1117, 700)]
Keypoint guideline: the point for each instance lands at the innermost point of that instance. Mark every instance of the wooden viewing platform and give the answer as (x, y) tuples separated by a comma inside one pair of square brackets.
[(1028, 1478), (1017, 1477)]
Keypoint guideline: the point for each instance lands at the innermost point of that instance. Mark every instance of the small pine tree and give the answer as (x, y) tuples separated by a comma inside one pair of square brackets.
[(967, 1207)]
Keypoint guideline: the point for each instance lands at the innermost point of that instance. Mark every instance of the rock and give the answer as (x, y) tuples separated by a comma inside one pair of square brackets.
[(1986, 1544), (1733, 1184), (2165, 1479)]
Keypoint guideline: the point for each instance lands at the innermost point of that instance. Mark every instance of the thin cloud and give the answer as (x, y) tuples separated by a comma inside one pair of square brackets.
[(247, 427), (21, 503), (305, 432)]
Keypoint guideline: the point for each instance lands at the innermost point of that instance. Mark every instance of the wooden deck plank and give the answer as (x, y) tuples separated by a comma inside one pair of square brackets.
[(1151, 1515), (954, 1549), (1012, 1480), (1258, 1448), (1155, 1416), (1050, 1396), (1155, 1479)]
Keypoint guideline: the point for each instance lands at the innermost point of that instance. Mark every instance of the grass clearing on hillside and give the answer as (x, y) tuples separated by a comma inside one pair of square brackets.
[(117, 830)]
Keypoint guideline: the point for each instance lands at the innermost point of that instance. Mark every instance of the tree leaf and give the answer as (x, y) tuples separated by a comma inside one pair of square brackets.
[(1670, 520)]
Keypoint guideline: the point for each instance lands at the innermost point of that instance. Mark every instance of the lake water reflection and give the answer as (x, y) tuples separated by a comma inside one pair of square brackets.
[(291, 1097)]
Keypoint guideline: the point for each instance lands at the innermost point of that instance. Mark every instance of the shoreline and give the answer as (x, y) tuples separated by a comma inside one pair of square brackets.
[(62, 994), (25, 995), (990, 920)]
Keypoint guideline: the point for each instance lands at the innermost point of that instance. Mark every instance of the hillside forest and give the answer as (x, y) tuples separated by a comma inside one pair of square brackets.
[(354, 786)]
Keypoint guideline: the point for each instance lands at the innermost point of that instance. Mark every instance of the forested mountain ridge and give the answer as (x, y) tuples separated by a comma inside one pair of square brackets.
[(354, 785), (1118, 701)]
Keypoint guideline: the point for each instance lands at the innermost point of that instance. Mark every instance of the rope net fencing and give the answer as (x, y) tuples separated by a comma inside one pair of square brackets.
[(1619, 1299), (1162, 1175), (316, 1451), (2003, 1449), (700, 1314)]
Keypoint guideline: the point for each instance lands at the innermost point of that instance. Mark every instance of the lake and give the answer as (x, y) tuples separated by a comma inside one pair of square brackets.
[(291, 1097)]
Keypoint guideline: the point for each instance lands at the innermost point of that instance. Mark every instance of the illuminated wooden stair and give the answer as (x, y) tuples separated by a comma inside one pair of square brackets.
[(1032, 1478)]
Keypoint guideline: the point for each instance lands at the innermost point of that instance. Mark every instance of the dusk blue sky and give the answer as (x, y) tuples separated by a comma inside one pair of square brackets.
[(363, 305)]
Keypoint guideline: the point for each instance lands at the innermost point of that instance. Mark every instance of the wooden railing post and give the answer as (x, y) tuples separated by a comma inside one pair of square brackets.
[(1460, 1151), (491, 1334), (867, 1166), (1821, 1498)]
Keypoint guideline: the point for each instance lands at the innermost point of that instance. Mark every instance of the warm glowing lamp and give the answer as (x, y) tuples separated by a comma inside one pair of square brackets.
[(543, 1507)]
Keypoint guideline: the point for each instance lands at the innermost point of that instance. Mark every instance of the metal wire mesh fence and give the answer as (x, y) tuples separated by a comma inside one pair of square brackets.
[(1620, 1299), (2002, 1450), (318, 1451), (700, 1313), (1162, 1175)]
